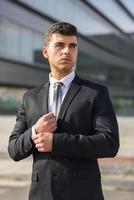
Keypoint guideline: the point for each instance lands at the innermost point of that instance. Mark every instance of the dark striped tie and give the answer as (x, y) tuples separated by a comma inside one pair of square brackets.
[(57, 98)]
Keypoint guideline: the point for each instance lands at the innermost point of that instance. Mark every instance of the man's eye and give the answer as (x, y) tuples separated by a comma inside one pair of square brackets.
[(74, 46), (59, 45)]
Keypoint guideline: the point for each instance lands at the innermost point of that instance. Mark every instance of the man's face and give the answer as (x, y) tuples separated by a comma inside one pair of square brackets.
[(61, 53)]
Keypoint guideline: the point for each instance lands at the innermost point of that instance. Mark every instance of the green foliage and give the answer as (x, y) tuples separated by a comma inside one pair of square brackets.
[(8, 105)]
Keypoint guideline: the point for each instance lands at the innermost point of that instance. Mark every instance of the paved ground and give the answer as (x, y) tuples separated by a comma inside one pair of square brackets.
[(117, 173), (15, 193)]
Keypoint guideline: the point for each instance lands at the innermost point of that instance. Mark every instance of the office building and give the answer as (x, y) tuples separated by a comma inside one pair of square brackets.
[(106, 46)]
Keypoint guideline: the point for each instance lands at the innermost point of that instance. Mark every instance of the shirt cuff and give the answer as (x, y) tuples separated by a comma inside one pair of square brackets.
[(33, 133)]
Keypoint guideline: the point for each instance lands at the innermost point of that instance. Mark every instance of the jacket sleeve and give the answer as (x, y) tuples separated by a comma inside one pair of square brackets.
[(20, 144), (102, 142)]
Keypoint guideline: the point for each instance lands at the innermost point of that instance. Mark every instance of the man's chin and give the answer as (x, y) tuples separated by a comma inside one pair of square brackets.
[(65, 66)]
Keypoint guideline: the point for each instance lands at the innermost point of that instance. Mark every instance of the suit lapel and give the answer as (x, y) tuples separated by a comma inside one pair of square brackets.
[(74, 88), (44, 99)]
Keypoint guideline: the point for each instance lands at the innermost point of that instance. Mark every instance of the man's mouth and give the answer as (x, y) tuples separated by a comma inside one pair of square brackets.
[(66, 59)]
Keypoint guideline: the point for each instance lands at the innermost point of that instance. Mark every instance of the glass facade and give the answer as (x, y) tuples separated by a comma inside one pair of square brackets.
[(129, 5), (18, 42), (112, 10), (116, 44), (102, 72), (65, 10), (24, 43), (89, 25)]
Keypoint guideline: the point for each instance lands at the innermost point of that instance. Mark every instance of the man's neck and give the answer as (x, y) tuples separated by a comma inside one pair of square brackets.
[(60, 75)]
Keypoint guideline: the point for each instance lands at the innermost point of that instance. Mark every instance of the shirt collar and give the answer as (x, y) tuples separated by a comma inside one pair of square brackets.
[(66, 80)]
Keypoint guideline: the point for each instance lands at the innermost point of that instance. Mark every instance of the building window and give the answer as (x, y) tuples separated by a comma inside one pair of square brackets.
[(18, 42)]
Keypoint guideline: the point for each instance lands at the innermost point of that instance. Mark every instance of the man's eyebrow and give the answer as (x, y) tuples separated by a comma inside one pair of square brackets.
[(59, 43), (73, 43), (62, 43)]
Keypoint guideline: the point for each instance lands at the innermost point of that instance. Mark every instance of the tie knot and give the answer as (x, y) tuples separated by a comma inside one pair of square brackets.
[(58, 84)]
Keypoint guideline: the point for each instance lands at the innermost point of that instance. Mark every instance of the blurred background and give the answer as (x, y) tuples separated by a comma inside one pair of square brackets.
[(106, 56)]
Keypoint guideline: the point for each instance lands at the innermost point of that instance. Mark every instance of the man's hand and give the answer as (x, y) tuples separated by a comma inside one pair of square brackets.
[(47, 123), (43, 142)]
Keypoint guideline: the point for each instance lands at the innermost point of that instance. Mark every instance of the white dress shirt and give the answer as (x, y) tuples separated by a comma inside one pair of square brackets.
[(67, 80)]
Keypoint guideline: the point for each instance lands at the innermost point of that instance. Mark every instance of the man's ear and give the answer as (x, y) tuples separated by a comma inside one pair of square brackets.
[(44, 51)]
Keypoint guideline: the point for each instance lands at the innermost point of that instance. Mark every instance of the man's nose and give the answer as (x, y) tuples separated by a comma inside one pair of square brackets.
[(66, 50)]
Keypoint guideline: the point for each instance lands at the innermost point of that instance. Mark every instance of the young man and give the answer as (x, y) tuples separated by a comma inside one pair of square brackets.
[(65, 142)]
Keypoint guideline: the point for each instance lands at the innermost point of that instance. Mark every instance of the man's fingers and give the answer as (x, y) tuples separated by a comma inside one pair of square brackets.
[(37, 138), (50, 122), (40, 145), (43, 142), (42, 150), (45, 123), (53, 127), (48, 116), (53, 120)]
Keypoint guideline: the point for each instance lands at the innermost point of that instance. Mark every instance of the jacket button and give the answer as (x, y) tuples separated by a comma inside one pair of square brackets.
[(54, 175)]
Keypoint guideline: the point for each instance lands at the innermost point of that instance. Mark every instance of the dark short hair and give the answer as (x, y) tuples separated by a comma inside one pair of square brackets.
[(62, 28)]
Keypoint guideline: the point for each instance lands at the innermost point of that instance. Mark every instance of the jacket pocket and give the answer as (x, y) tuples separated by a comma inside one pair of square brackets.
[(35, 176)]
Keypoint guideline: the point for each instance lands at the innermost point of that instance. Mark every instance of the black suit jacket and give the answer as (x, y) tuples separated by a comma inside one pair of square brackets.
[(87, 130)]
